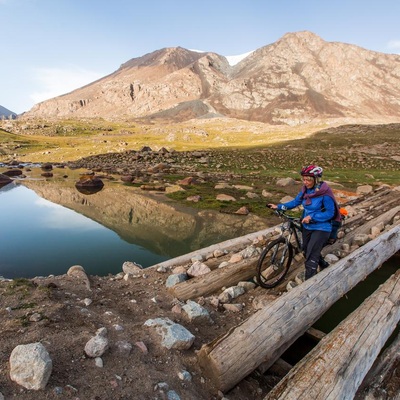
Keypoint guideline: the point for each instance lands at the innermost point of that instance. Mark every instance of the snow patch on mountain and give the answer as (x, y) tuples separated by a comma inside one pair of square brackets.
[(233, 60)]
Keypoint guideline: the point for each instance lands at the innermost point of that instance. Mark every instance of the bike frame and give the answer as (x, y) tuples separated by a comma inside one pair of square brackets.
[(283, 249), (293, 227)]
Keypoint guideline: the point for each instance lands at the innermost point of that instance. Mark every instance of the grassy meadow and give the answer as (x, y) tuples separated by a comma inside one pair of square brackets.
[(238, 152), (42, 141)]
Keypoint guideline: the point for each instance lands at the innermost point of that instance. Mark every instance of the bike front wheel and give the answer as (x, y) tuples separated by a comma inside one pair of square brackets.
[(274, 263)]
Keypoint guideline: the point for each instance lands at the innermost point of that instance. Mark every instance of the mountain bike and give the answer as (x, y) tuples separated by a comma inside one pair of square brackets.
[(276, 258)]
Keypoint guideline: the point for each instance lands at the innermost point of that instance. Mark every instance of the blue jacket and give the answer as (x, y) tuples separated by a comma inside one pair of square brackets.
[(321, 210)]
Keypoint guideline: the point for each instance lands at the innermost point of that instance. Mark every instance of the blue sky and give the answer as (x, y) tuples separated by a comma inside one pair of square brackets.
[(50, 47)]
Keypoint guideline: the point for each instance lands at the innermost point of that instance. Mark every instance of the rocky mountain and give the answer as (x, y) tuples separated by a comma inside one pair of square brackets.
[(299, 79), (5, 113)]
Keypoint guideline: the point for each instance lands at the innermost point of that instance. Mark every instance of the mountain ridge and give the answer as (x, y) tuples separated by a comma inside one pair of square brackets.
[(298, 79), (6, 113)]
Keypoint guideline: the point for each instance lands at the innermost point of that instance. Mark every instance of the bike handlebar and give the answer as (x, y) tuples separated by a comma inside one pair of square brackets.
[(282, 214)]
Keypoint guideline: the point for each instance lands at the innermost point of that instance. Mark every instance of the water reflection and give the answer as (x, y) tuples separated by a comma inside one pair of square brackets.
[(89, 185), (48, 226), (88, 190), (39, 237)]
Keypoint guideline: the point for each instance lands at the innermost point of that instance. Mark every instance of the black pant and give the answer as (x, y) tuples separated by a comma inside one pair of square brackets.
[(313, 242)]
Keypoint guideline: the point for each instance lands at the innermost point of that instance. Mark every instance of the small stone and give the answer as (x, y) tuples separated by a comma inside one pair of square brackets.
[(198, 268), (98, 362), (174, 279), (118, 327), (236, 258), (242, 211), (233, 307), (185, 376), (218, 253), (142, 347), (57, 390), (223, 264), (36, 317), (172, 395), (87, 302)]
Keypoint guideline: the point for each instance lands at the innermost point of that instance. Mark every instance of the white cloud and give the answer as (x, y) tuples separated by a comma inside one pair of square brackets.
[(57, 81), (59, 217), (394, 44)]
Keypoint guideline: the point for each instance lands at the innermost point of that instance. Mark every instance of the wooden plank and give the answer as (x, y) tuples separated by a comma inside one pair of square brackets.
[(335, 368), (264, 336)]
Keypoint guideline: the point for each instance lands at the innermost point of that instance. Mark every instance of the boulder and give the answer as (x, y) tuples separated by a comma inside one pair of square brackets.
[(12, 172), (47, 166), (225, 197), (4, 180), (30, 366), (89, 184), (174, 336), (364, 189), (283, 182)]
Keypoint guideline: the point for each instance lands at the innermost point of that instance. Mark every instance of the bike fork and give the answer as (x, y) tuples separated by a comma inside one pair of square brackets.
[(284, 251)]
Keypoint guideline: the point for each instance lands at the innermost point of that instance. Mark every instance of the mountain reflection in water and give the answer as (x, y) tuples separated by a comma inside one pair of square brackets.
[(39, 238), (47, 226)]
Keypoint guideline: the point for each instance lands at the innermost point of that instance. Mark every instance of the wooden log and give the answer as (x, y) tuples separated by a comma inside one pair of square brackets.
[(380, 373), (387, 204), (369, 199), (265, 335), (209, 283), (384, 218), (241, 241), (279, 368), (335, 368), (315, 334)]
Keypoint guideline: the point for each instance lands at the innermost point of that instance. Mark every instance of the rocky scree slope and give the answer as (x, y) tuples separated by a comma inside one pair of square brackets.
[(298, 79)]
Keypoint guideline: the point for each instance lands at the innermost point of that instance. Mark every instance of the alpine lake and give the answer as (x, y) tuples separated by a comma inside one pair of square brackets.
[(48, 225)]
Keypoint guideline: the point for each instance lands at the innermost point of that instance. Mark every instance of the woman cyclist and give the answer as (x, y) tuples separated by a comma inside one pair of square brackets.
[(320, 207)]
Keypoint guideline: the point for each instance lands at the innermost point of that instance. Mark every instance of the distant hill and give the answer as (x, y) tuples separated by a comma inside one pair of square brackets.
[(5, 113), (298, 79)]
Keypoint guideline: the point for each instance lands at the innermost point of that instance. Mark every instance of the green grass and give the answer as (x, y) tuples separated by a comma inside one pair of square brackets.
[(24, 306), (238, 152), (66, 140)]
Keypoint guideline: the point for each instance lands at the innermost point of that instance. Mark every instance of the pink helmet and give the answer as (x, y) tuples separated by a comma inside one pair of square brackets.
[(311, 170)]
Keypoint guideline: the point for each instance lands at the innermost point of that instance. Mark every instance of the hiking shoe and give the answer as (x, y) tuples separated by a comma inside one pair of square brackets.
[(323, 264), (300, 277)]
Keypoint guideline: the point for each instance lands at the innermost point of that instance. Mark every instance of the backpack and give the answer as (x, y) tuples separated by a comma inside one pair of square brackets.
[(335, 222)]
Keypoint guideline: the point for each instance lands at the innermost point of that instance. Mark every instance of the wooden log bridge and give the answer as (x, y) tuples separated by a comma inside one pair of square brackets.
[(336, 367), (264, 336), (244, 270), (227, 245)]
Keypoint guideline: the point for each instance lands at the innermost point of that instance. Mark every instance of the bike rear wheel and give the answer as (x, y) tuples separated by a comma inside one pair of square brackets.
[(274, 263)]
